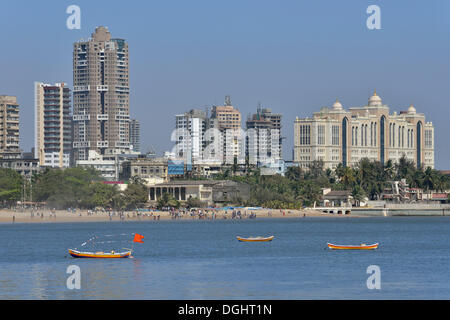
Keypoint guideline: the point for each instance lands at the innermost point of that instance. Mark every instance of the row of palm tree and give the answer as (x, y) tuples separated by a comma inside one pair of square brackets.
[(368, 178)]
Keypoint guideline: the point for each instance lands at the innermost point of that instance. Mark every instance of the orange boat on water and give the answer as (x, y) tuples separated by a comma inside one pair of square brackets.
[(256, 239), (362, 246), (105, 255), (100, 255)]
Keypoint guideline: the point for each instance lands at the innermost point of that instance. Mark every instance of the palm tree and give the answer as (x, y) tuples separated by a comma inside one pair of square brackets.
[(358, 194), (389, 170), (428, 179), (348, 177), (405, 169)]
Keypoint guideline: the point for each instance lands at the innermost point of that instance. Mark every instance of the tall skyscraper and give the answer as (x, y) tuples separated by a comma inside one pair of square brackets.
[(264, 140), (9, 128), (135, 135), (335, 135), (53, 133), (101, 95)]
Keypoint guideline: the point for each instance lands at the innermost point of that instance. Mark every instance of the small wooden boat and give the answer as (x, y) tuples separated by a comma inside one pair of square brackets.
[(362, 246), (256, 239), (100, 255)]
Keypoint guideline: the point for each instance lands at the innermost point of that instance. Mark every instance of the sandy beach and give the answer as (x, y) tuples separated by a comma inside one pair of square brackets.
[(63, 216)]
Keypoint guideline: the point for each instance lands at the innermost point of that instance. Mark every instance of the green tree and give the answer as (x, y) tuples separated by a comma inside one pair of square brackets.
[(167, 200), (347, 177), (63, 188), (194, 203), (235, 165), (136, 194), (428, 179), (101, 195), (358, 194), (11, 184)]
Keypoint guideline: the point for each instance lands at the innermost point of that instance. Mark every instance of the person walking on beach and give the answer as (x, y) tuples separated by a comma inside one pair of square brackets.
[(14, 218)]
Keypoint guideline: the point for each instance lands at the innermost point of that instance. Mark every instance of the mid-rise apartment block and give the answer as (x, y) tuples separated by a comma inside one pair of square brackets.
[(229, 124), (53, 121), (264, 139), (189, 136), (135, 135), (9, 128)]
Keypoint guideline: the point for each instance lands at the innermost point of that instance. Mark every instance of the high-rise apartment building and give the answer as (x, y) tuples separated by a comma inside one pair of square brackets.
[(264, 140), (135, 135), (101, 95), (211, 140), (9, 128), (229, 124), (53, 133), (335, 135), (190, 129)]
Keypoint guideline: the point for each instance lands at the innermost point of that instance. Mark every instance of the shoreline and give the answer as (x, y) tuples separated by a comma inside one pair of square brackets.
[(27, 216), (84, 216)]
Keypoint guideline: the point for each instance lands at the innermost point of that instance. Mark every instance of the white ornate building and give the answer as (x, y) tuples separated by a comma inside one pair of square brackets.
[(336, 135)]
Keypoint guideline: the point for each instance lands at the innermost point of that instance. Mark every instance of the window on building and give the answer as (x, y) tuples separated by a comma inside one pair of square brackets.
[(321, 135), (403, 136), (305, 135), (428, 138), (353, 136), (375, 134), (365, 135), (335, 135), (408, 136), (362, 135), (393, 135), (390, 134)]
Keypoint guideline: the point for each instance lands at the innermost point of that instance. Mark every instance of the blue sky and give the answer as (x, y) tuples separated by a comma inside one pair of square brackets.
[(291, 56)]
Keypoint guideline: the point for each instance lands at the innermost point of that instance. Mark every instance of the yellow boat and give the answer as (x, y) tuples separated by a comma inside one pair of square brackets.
[(100, 255), (256, 239), (362, 246)]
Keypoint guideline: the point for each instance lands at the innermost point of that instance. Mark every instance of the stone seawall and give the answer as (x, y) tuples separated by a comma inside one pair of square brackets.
[(406, 211)]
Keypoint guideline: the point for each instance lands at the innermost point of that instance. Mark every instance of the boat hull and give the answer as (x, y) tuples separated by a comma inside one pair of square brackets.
[(99, 255), (350, 247), (256, 239)]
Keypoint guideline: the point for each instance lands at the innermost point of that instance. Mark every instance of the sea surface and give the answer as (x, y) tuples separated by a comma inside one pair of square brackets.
[(203, 260)]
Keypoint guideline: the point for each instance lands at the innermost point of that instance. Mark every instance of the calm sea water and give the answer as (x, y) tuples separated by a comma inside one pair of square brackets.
[(203, 260)]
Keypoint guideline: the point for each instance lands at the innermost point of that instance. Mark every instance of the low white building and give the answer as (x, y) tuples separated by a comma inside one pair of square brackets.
[(108, 166)]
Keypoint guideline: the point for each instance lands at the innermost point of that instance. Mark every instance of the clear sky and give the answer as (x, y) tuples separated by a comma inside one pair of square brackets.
[(292, 56)]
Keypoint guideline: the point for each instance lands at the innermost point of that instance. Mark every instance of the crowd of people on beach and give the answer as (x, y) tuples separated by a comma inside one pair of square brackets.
[(147, 214), (208, 214)]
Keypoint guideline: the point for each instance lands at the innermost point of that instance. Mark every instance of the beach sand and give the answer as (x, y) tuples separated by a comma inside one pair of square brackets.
[(64, 216)]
